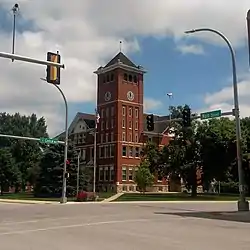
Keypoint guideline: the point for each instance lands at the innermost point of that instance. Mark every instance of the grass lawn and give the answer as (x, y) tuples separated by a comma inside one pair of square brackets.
[(30, 196), (176, 197)]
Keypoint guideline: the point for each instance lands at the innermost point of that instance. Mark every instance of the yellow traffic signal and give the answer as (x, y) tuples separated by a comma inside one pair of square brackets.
[(53, 73)]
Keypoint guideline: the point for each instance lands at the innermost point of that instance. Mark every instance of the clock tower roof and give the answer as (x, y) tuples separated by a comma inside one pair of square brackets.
[(120, 61), (120, 58)]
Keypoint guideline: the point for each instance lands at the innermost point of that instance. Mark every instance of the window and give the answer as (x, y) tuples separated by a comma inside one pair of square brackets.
[(106, 173), (130, 174), (130, 151), (130, 112), (124, 173), (124, 151), (130, 78), (123, 136), (123, 110), (100, 151), (83, 154), (101, 138), (125, 76), (130, 137), (112, 173), (101, 174), (136, 137), (107, 124), (112, 77), (107, 137), (107, 112), (136, 125), (137, 152), (102, 125), (130, 125), (135, 79), (112, 111), (112, 123), (112, 150), (106, 151), (91, 153), (108, 78), (123, 123), (112, 137), (136, 113), (102, 113)]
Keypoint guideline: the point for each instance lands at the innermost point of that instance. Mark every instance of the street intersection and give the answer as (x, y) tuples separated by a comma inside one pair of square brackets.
[(124, 226)]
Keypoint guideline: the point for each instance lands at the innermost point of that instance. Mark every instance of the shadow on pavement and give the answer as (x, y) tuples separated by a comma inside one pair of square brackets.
[(228, 216)]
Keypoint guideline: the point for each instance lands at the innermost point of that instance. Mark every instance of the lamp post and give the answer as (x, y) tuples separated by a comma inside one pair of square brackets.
[(170, 95), (78, 172), (243, 204)]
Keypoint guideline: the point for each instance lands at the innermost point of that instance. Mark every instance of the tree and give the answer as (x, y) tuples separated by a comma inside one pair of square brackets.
[(151, 153), (25, 153), (9, 173), (49, 182), (144, 178)]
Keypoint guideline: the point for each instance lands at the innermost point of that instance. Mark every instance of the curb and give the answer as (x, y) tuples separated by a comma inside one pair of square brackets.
[(138, 202), (27, 201)]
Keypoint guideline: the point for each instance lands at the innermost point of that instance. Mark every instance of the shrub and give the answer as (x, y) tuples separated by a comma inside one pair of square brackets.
[(82, 196), (86, 196)]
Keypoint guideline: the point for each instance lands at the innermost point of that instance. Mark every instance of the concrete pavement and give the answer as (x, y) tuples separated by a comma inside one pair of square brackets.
[(121, 225)]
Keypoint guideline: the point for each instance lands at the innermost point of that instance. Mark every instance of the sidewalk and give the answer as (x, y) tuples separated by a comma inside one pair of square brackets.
[(112, 198)]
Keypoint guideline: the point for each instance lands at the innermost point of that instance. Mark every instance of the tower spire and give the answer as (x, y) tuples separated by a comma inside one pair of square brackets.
[(120, 46)]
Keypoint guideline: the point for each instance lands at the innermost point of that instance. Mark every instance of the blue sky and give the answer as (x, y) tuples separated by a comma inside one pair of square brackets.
[(85, 34), (188, 76)]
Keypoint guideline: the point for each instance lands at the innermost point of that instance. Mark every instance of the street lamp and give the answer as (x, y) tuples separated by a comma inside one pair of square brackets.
[(170, 95), (243, 204)]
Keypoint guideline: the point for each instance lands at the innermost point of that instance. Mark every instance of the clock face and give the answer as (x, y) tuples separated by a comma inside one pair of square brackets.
[(130, 96), (107, 96)]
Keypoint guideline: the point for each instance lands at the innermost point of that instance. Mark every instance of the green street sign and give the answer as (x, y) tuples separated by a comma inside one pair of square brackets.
[(48, 140), (211, 114)]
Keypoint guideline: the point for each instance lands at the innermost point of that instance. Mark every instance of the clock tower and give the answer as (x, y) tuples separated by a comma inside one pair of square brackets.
[(120, 106)]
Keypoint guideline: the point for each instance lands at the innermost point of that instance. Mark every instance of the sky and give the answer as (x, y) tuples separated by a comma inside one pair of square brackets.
[(196, 68)]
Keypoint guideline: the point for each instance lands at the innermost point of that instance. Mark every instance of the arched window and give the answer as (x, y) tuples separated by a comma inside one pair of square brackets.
[(125, 77), (130, 78), (107, 78), (112, 77), (135, 79), (104, 79)]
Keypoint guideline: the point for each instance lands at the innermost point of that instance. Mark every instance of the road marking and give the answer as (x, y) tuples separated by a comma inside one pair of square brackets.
[(72, 226), (9, 223)]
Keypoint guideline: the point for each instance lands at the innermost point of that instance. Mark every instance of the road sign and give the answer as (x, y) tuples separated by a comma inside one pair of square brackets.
[(211, 114), (48, 140)]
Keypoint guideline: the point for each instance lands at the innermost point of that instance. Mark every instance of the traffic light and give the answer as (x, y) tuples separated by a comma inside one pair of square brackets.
[(186, 117), (150, 122), (53, 73)]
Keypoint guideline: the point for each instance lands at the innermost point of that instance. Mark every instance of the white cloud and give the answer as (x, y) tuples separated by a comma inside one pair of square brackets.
[(151, 104), (191, 49), (223, 99), (88, 33)]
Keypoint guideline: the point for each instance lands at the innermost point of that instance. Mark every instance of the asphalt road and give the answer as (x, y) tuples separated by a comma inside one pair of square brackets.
[(114, 226)]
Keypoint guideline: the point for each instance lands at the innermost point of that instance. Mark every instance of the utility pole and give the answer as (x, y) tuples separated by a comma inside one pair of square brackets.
[(15, 10)]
